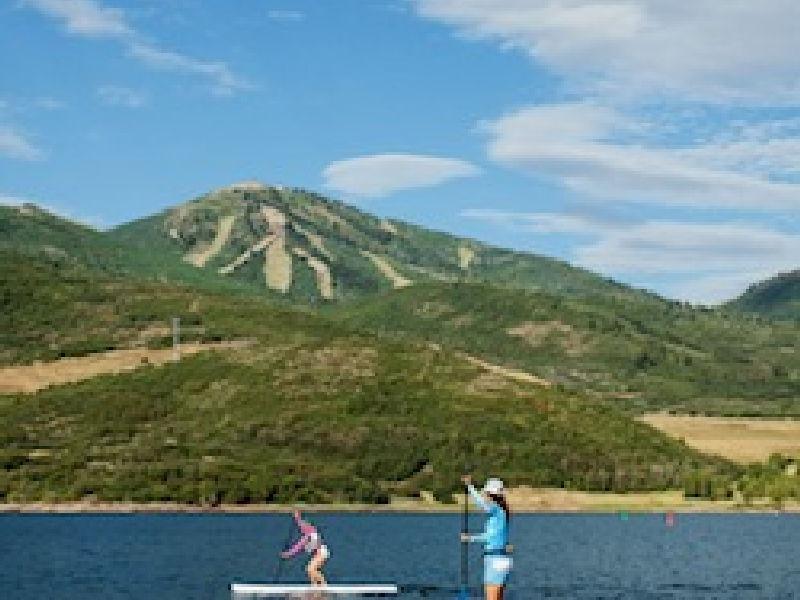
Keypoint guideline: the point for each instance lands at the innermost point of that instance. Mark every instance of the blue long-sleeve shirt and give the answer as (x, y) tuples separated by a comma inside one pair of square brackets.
[(495, 531)]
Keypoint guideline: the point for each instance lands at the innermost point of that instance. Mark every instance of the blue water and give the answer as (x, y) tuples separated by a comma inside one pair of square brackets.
[(154, 557)]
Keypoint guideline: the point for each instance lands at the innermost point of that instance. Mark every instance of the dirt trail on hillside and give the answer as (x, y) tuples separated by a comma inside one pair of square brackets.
[(740, 440), (247, 254), (465, 257), (444, 277), (388, 227), (321, 272), (397, 280), (315, 240), (537, 333), (506, 372), (278, 262), (332, 218), (200, 255), (38, 376)]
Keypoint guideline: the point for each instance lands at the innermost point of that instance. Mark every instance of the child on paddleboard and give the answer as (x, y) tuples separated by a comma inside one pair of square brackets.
[(310, 541), (496, 560)]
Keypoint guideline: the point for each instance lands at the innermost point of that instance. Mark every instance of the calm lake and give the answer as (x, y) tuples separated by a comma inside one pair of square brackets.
[(174, 557)]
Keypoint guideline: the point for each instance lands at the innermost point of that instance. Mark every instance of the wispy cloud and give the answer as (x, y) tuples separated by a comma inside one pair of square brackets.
[(14, 144), (285, 15), (692, 50), (601, 153), (115, 95), (675, 104), (383, 174), (224, 81), (86, 17), (91, 19), (709, 262)]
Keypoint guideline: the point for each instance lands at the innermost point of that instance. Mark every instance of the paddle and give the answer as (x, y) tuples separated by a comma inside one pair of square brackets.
[(464, 592), (281, 560)]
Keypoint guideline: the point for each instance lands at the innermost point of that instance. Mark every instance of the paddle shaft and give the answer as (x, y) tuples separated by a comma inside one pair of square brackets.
[(279, 566), (465, 543)]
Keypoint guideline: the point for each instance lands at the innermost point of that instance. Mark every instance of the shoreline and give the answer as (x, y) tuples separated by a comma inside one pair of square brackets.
[(522, 501)]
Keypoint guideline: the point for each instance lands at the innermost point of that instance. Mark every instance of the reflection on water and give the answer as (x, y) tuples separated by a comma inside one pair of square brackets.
[(175, 557)]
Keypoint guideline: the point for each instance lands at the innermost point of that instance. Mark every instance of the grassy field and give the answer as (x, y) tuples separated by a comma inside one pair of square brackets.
[(42, 375), (740, 440)]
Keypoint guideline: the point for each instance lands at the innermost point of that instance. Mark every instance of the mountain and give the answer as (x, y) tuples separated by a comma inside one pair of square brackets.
[(366, 359), (300, 246), (778, 297), (559, 323), (306, 409)]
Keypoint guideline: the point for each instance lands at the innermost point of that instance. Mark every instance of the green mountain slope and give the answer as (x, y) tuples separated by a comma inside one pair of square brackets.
[(640, 354), (304, 247), (564, 324), (31, 231), (311, 411), (778, 297)]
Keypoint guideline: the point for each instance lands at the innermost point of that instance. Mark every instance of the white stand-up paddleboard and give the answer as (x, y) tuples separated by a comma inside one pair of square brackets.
[(264, 589)]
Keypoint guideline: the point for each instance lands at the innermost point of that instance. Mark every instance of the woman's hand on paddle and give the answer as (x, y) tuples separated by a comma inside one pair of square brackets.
[(465, 537), (466, 479)]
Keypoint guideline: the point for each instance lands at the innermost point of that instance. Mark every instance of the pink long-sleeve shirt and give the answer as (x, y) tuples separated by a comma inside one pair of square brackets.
[(310, 540)]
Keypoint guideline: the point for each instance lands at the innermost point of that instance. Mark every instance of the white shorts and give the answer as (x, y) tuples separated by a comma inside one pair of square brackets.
[(322, 552), (496, 569)]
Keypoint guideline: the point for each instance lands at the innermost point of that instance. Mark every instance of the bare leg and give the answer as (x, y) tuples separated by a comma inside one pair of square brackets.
[(314, 569), (494, 592)]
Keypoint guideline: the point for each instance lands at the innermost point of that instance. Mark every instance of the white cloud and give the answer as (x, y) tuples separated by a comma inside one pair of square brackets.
[(85, 17), (710, 262), (769, 148), (15, 145), (657, 247), (285, 16), (737, 50), (601, 153), (224, 82), (89, 18), (115, 95), (382, 174), (544, 223), (658, 59)]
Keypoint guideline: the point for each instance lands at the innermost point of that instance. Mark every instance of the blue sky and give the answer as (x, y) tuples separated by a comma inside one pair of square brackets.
[(657, 143)]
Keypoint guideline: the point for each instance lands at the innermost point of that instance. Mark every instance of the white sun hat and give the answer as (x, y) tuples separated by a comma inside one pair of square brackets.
[(494, 486)]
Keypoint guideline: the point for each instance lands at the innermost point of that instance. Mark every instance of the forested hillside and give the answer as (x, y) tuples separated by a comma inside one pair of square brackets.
[(778, 297), (639, 354), (308, 411)]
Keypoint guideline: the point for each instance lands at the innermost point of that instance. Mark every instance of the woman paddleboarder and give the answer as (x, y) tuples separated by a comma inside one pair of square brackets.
[(496, 560), (312, 543)]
